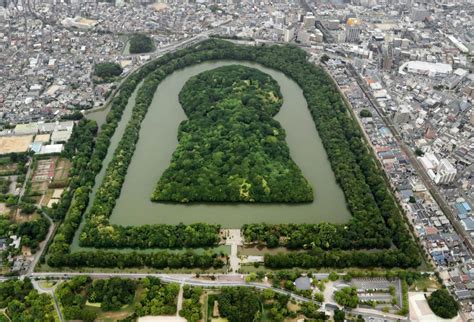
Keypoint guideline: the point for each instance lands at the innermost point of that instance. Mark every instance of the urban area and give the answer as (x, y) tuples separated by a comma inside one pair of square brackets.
[(404, 69)]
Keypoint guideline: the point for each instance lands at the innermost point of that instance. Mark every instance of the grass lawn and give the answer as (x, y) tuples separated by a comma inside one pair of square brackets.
[(98, 304), (111, 316), (47, 284), (424, 283)]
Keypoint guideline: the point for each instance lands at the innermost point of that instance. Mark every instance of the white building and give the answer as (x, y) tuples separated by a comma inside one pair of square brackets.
[(446, 172), (425, 68)]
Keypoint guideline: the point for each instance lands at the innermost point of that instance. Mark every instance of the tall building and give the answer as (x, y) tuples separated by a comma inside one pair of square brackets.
[(288, 34), (387, 57), (309, 21), (446, 172), (352, 30)]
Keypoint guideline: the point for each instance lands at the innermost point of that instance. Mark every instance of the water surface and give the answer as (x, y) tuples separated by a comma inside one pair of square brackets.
[(158, 140)]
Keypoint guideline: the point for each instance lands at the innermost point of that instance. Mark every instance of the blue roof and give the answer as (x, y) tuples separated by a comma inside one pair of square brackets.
[(36, 146), (461, 210), (384, 130), (466, 206), (439, 258)]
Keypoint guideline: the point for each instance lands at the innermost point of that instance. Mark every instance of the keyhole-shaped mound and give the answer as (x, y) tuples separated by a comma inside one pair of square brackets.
[(230, 148)]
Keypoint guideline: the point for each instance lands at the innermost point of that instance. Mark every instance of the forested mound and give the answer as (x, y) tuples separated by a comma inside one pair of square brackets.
[(230, 148)]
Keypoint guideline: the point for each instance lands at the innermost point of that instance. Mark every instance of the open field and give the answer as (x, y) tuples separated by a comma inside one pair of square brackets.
[(17, 144)]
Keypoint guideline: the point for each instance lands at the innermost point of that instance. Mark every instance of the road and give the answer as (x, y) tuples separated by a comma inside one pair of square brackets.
[(42, 246), (415, 163), (49, 291), (189, 279), (156, 54), (221, 280)]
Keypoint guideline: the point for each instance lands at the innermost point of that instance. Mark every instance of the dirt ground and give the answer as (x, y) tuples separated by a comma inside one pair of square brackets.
[(19, 218), (3, 208), (8, 168), (9, 144)]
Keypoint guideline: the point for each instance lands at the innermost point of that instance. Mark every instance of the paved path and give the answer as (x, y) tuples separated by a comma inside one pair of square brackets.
[(179, 306), (234, 239), (49, 291)]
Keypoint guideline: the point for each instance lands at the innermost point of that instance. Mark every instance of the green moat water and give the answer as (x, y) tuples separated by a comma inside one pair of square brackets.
[(158, 140)]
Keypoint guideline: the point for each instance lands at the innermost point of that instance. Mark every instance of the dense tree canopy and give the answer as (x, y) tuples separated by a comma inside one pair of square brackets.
[(239, 304), (443, 304), (191, 310), (140, 43), (23, 303), (157, 298), (347, 297), (112, 293), (107, 70), (376, 222), (230, 148)]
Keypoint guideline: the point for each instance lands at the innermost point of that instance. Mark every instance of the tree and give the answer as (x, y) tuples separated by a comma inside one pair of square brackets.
[(333, 276), (443, 304), (339, 315), (140, 43), (238, 304), (365, 113), (230, 113), (347, 297), (107, 70)]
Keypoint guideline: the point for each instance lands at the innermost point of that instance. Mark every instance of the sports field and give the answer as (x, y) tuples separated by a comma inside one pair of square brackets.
[(17, 144)]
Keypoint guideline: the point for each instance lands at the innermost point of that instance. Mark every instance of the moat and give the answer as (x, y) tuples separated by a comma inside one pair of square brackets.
[(158, 141)]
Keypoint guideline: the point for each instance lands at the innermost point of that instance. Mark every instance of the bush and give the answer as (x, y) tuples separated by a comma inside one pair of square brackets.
[(365, 113)]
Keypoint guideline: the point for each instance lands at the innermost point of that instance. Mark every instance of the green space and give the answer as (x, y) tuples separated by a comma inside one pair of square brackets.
[(159, 129), (108, 71), (230, 148), (140, 43), (23, 303), (241, 304), (192, 306), (443, 304), (347, 297), (82, 298), (376, 235)]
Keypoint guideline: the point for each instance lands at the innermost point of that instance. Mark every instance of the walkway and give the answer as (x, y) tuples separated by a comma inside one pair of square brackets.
[(234, 239), (179, 306), (50, 291)]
